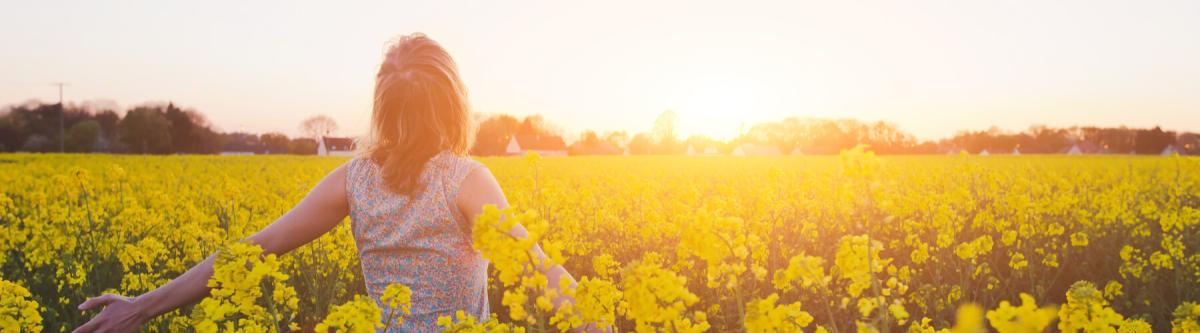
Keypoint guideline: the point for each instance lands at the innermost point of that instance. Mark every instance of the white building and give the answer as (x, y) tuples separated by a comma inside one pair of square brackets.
[(1074, 150), (692, 151), (750, 149), (1170, 150), (543, 145), (331, 146)]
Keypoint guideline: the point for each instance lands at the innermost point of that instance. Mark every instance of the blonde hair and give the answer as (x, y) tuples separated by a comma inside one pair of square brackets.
[(420, 110)]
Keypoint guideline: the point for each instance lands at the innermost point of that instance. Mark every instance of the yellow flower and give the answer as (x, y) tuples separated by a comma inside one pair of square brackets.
[(397, 297), (1079, 239), (856, 265), (18, 313), (1025, 318), (360, 315), (763, 315), (236, 301), (809, 271), (1086, 310), (1186, 318), (1017, 261), (656, 297)]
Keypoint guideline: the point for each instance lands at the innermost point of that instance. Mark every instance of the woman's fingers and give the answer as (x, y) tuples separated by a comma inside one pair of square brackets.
[(88, 327), (99, 300)]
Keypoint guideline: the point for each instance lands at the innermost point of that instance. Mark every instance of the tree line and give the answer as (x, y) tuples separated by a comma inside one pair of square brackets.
[(170, 129), (819, 136), (146, 129)]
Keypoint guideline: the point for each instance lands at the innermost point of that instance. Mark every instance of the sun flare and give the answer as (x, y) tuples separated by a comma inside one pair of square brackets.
[(717, 106)]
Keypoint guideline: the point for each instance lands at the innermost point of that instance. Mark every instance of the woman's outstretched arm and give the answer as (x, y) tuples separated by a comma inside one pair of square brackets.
[(322, 209), (480, 188)]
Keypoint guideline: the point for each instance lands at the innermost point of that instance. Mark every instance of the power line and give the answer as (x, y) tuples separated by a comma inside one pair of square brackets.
[(62, 113)]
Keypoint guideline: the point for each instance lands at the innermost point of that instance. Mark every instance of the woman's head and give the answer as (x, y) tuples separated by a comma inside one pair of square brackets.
[(420, 109)]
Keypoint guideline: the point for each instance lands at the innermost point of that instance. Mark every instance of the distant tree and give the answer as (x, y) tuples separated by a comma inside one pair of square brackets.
[(617, 138), (927, 147), (1152, 141), (642, 144), (241, 142), (534, 125), (1189, 143), (493, 135), (275, 143), (886, 138), (34, 118), (302, 146), (1046, 140), (700, 143), (664, 127), (589, 143), (108, 120), (82, 136), (10, 133), (38, 143), (319, 125), (144, 130), (590, 137), (187, 129), (831, 137), (783, 135)]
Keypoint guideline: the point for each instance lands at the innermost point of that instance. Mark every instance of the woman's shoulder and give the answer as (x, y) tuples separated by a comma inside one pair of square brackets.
[(360, 170), (457, 167)]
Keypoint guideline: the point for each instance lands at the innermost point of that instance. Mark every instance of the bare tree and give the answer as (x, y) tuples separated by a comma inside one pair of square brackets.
[(319, 125), (664, 126)]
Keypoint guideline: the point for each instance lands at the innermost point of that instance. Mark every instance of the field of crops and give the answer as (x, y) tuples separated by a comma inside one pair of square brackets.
[(721, 244)]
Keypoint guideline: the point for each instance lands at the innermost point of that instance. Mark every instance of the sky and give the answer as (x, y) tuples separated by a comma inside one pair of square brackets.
[(931, 67)]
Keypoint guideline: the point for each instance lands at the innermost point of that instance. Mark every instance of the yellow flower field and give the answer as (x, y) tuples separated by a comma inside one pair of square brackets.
[(849, 243)]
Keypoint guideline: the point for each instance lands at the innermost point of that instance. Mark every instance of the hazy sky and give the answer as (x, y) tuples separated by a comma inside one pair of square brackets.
[(933, 67)]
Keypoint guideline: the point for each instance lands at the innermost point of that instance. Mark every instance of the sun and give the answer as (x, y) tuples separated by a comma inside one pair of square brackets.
[(719, 107)]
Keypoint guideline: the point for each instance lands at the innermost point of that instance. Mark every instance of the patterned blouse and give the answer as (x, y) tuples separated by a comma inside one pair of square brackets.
[(425, 245)]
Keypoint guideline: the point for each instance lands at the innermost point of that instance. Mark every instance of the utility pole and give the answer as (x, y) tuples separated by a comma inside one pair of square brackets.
[(62, 113)]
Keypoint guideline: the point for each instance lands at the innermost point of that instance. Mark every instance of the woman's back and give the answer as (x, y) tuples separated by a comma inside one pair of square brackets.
[(423, 242)]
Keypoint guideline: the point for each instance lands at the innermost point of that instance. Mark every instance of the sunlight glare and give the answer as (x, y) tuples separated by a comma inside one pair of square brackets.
[(718, 106)]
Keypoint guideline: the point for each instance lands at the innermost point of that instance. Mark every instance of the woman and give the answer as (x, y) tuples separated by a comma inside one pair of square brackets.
[(411, 195)]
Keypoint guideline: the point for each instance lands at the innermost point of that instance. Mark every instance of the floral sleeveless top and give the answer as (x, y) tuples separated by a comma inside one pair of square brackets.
[(424, 244)]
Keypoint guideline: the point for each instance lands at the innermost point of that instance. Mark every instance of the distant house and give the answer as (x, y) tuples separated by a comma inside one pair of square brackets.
[(545, 145), (331, 146), (750, 149), (1171, 150), (1082, 148), (236, 152), (1074, 150), (1016, 151), (709, 150), (593, 148), (984, 153)]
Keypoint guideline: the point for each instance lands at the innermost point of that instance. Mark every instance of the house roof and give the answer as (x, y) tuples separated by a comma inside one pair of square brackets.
[(338, 144), (540, 142), (755, 149), (1085, 147), (1171, 150)]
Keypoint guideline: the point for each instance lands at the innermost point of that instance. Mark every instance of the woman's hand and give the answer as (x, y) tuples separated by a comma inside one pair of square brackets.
[(119, 314), (323, 208)]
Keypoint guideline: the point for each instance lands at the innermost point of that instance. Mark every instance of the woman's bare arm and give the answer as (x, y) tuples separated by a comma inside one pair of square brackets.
[(480, 188), (322, 209)]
